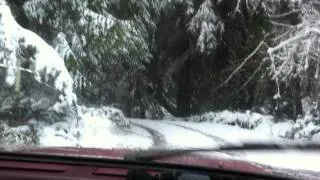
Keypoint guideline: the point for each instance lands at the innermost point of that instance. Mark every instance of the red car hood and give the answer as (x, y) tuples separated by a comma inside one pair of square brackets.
[(192, 159)]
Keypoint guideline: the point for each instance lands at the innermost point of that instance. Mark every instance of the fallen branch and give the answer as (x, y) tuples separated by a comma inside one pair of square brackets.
[(179, 62), (237, 9), (253, 74), (282, 24), (15, 67), (262, 43), (284, 14)]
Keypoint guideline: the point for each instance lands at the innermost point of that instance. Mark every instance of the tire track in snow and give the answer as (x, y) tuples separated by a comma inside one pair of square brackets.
[(215, 138), (158, 138)]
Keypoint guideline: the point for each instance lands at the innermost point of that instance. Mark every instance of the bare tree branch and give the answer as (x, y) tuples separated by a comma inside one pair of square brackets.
[(179, 62), (253, 74), (237, 9)]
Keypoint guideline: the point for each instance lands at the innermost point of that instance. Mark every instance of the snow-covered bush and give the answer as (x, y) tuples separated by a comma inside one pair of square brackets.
[(247, 120), (101, 127), (157, 112), (73, 131), (25, 135), (108, 113), (306, 127), (34, 79), (283, 129)]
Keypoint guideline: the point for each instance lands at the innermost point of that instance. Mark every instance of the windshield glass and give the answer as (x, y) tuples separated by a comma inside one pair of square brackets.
[(160, 74)]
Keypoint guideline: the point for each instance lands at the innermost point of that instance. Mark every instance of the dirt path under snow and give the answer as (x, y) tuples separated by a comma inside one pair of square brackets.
[(159, 140), (214, 138)]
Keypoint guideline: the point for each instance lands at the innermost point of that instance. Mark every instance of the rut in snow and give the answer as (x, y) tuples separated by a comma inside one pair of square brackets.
[(159, 140), (215, 138)]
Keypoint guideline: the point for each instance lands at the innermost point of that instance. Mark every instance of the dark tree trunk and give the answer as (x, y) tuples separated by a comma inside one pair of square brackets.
[(297, 109), (184, 91)]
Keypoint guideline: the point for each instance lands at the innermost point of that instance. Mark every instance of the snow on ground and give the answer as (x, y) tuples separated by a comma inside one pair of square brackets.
[(265, 132), (282, 129), (96, 131), (177, 137), (94, 128), (306, 127), (229, 133), (300, 160), (248, 119), (238, 126)]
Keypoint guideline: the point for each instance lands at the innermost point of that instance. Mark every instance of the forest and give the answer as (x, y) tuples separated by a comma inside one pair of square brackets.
[(183, 57)]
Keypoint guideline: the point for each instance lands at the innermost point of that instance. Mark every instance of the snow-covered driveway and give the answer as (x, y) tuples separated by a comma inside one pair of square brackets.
[(176, 136), (102, 133), (205, 134)]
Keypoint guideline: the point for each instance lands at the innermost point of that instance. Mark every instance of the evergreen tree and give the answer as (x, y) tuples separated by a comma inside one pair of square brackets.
[(188, 56)]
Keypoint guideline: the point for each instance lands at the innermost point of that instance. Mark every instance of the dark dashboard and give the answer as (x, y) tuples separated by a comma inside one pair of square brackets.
[(47, 167)]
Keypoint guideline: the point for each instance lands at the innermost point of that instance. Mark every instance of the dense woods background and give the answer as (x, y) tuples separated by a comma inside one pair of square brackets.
[(185, 56)]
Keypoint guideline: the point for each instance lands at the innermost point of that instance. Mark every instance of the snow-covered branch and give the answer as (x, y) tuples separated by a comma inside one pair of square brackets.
[(295, 52)]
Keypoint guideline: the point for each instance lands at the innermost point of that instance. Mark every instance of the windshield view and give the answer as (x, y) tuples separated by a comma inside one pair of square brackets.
[(162, 75)]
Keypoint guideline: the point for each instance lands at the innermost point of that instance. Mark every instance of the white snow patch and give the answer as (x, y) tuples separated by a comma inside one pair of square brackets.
[(177, 137), (93, 130), (247, 120), (300, 160), (316, 137), (230, 134), (282, 129)]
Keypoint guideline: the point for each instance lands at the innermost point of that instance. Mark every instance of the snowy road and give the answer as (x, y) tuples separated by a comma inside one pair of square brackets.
[(214, 138), (192, 134), (98, 132), (159, 140), (177, 136)]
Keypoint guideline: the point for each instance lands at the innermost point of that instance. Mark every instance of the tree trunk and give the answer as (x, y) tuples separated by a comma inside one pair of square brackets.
[(184, 91), (297, 99)]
